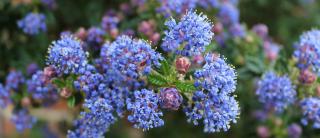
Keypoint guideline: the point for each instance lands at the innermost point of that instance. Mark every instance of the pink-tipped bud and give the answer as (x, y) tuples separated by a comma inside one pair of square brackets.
[(25, 102), (170, 98), (81, 33), (263, 132), (307, 77), (114, 32), (155, 38), (65, 92), (182, 65), (49, 72), (218, 28)]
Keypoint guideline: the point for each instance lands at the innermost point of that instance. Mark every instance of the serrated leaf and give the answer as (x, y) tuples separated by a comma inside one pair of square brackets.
[(156, 79), (71, 101), (185, 86), (165, 68)]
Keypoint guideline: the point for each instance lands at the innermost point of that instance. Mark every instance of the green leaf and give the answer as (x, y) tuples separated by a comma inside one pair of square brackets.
[(71, 101), (59, 83), (165, 68), (185, 86), (157, 79)]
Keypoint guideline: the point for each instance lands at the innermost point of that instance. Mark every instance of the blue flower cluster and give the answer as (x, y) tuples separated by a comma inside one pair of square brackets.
[(132, 57), (307, 51), (14, 80), (145, 113), (311, 111), (170, 7), (41, 88), (33, 23), (213, 101), (228, 14), (96, 121), (109, 22), (276, 92), (190, 36), (51, 4), (95, 37), (23, 120), (4, 97), (67, 55)]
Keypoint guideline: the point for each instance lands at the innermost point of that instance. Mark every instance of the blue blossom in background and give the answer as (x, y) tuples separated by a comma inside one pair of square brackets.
[(33, 23), (14, 80), (67, 56), (41, 88), (51, 4), (188, 37), (209, 3), (307, 51), (294, 130), (32, 68), (228, 14), (311, 111), (4, 97), (170, 7), (23, 120), (95, 122), (95, 37), (217, 110), (145, 113), (110, 22), (237, 30), (216, 75), (276, 92), (132, 57)]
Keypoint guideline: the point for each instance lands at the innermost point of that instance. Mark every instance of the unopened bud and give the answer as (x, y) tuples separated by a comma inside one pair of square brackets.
[(114, 32), (65, 92), (81, 33), (218, 28), (182, 65), (170, 98), (49, 72), (263, 132), (25, 102), (307, 77)]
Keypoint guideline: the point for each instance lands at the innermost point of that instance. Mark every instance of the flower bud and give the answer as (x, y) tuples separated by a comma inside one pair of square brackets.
[(25, 102), (81, 33), (263, 132), (307, 77), (49, 72), (294, 131), (65, 92), (170, 98), (218, 28), (182, 65)]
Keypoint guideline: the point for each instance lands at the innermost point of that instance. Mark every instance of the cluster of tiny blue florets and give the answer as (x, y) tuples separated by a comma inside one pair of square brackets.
[(276, 92), (132, 57), (311, 111), (4, 97), (67, 55), (33, 23), (96, 121), (213, 101), (145, 113), (188, 37), (14, 80), (170, 7), (41, 88), (23, 120), (228, 14), (307, 51), (95, 37)]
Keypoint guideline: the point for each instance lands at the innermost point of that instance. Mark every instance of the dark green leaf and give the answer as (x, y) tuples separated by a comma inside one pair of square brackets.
[(59, 83), (185, 86), (156, 79), (71, 101)]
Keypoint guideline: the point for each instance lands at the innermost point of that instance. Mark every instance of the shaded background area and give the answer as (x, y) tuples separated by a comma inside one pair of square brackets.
[(286, 20)]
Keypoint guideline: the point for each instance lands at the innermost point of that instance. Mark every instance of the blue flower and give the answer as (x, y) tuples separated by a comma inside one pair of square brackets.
[(145, 113), (217, 110), (209, 3), (188, 37), (96, 121), (311, 111), (228, 14), (276, 92), (212, 102), (41, 88), (14, 80), (67, 56), (110, 22), (307, 51), (95, 37), (33, 23), (51, 4), (237, 30), (131, 57), (216, 75), (4, 97), (170, 7), (23, 120)]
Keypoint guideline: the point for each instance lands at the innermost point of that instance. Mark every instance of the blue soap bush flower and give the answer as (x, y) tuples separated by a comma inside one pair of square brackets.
[(311, 111), (67, 56), (188, 37), (145, 112), (170, 7), (276, 92), (14, 80), (33, 23), (23, 120), (4, 97)]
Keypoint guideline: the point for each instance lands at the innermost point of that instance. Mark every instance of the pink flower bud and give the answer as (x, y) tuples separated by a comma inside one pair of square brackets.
[(218, 28), (182, 65), (25, 102), (49, 72), (263, 132), (81, 33), (307, 77), (65, 92)]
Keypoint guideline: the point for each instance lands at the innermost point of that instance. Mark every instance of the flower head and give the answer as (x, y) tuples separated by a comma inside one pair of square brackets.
[(188, 37), (228, 14), (311, 111), (66, 55), (170, 7), (170, 98), (23, 120), (14, 80), (95, 36), (276, 92), (4, 97), (145, 113), (33, 23)]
